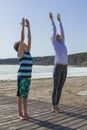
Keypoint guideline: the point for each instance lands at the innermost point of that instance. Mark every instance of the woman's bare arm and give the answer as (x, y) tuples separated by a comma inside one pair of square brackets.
[(61, 28), (54, 27)]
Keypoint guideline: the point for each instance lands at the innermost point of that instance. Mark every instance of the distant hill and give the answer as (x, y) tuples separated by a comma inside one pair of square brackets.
[(79, 59)]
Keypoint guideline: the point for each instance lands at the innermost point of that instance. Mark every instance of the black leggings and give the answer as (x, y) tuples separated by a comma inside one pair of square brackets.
[(59, 77)]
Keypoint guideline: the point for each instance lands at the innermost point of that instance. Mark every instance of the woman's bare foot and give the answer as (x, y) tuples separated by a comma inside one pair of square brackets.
[(59, 110), (54, 109)]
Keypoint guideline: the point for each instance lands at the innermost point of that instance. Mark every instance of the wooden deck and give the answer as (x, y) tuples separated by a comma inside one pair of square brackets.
[(73, 118)]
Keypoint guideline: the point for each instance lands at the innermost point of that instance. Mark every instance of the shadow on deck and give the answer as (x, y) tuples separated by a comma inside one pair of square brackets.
[(41, 118)]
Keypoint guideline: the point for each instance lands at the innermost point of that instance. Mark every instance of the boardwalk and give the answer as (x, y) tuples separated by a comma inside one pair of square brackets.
[(73, 118)]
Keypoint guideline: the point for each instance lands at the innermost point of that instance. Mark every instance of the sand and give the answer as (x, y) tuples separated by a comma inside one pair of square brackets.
[(41, 89)]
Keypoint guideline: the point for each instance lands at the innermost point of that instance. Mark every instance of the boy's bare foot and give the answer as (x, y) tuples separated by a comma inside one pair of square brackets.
[(26, 117), (20, 116)]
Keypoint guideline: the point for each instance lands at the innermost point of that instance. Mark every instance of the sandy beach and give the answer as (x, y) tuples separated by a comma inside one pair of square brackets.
[(41, 89)]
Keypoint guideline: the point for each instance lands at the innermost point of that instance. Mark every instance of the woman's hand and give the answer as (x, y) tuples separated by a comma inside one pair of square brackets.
[(58, 17), (51, 16)]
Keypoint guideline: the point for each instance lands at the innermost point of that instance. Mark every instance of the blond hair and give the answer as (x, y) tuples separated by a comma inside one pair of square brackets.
[(16, 46)]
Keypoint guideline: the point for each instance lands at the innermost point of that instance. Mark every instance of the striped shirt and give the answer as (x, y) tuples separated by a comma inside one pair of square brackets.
[(25, 69)]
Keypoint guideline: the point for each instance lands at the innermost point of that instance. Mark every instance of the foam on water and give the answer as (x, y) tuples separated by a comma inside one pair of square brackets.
[(9, 72)]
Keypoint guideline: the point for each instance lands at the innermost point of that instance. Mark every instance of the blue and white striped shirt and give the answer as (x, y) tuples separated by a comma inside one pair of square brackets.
[(25, 62)]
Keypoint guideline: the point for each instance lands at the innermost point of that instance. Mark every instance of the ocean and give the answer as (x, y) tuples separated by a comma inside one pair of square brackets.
[(9, 72)]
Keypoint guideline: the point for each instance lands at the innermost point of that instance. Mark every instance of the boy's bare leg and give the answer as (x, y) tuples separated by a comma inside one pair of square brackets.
[(26, 116), (20, 106)]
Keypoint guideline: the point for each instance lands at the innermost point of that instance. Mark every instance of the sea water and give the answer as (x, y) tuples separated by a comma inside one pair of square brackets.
[(9, 72)]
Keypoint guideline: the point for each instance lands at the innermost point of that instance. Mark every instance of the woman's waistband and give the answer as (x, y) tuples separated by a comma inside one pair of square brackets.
[(63, 65)]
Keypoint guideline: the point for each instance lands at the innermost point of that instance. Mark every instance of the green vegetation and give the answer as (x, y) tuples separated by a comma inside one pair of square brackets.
[(79, 59)]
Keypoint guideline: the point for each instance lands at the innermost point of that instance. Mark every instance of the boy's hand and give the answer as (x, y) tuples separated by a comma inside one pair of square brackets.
[(27, 23), (23, 21)]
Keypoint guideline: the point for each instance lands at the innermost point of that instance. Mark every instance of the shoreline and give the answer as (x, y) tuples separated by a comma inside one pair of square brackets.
[(41, 89), (14, 80)]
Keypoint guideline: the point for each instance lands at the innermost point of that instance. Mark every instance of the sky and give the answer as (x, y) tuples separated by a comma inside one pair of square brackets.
[(73, 16)]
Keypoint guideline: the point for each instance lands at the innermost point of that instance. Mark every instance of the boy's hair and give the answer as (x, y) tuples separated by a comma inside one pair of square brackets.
[(16, 46)]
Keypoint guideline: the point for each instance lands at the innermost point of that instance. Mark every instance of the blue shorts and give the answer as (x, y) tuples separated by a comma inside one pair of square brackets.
[(23, 86)]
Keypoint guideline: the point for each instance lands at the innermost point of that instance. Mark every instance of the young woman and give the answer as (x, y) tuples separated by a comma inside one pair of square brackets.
[(25, 70), (60, 61)]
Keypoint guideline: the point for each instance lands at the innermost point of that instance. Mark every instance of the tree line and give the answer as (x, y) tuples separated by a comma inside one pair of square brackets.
[(79, 59)]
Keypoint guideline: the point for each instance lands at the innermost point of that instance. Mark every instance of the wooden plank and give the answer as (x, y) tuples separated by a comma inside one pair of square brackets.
[(84, 127), (41, 116)]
